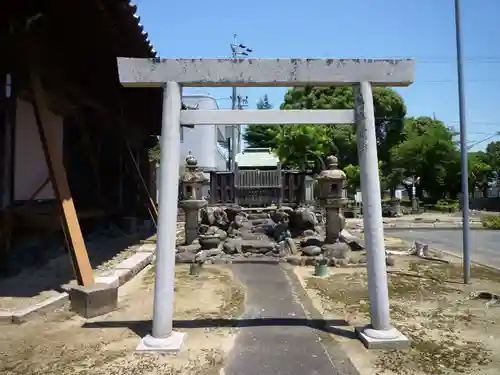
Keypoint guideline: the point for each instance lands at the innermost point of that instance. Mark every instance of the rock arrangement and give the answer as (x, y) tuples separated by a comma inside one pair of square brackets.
[(228, 234)]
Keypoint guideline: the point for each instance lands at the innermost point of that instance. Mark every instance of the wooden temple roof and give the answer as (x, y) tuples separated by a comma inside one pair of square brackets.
[(73, 45)]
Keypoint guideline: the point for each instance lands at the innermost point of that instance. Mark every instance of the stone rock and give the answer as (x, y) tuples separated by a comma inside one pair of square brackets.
[(311, 250), (232, 246), (280, 216), (390, 261), (203, 255), (193, 248), (312, 241), (259, 222), (289, 243), (237, 223), (215, 231), (257, 246), (350, 239), (320, 218), (185, 257), (209, 241), (232, 212), (341, 262), (296, 261), (337, 250), (309, 232), (253, 236), (264, 228), (301, 219), (280, 231), (258, 216), (220, 218), (203, 229), (207, 216), (222, 234), (233, 233)]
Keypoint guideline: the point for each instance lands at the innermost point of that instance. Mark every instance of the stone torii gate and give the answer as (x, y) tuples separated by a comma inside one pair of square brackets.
[(173, 74)]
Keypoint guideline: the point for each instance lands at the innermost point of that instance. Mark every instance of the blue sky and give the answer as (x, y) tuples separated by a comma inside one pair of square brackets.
[(420, 29)]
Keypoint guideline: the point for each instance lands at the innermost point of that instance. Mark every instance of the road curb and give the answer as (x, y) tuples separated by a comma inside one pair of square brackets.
[(119, 275), (396, 227)]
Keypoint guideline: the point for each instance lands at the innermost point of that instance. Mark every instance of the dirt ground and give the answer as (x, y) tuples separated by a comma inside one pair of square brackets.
[(32, 286), (450, 332), (63, 343)]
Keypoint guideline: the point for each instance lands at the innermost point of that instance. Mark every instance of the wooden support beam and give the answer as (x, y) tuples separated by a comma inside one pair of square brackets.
[(153, 211), (58, 178)]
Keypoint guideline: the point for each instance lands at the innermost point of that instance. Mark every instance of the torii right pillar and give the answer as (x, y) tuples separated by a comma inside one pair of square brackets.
[(380, 334)]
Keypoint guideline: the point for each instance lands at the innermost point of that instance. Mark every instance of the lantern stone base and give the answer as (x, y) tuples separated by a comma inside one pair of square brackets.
[(191, 208), (382, 339)]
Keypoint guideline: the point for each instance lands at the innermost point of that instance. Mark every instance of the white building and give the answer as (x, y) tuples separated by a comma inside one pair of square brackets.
[(205, 141)]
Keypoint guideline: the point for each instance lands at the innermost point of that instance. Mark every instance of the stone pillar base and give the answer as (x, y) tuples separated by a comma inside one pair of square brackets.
[(170, 344), (98, 299), (382, 339), (191, 226)]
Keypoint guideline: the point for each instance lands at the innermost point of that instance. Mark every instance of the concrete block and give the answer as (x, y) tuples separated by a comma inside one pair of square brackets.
[(123, 276), (98, 299), (376, 339), (170, 344), (141, 260), (5, 317), (51, 303), (112, 280), (147, 248)]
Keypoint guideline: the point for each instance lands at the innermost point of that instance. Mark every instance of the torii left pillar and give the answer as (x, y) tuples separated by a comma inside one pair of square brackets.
[(163, 338)]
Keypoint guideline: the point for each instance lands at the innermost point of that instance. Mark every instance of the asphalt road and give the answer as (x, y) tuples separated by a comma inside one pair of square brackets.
[(276, 335), (484, 244)]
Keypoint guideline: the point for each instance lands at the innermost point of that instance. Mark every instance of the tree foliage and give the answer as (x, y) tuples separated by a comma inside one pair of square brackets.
[(390, 111), (428, 151), (481, 173), (262, 135)]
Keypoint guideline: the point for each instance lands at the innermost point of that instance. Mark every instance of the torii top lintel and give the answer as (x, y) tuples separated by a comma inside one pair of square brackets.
[(265, 72)]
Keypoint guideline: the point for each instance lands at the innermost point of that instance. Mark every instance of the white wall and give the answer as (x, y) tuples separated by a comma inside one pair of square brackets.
[(202, 140), (30, 167)]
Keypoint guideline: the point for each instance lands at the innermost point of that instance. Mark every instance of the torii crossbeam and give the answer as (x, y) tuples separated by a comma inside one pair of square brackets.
[(172, 74)]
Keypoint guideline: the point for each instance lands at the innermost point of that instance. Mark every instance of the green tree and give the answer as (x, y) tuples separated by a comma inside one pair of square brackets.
[(481, 173), (493, 157), (389, 113), (353, 178), (428, 151), (262, 135), (303, 146), (353, 175)]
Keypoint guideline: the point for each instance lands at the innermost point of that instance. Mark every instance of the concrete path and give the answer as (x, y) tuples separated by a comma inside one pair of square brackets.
[(281, 333), (485, 244)]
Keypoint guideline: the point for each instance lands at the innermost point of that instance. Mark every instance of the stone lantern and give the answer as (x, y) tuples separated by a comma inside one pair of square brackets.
[(191, 181), (332, 197)]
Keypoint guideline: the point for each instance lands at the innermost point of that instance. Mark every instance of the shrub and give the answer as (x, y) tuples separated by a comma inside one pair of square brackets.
[(446, 205), (491, 222)]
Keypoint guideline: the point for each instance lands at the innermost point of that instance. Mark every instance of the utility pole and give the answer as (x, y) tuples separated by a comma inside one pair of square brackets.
[(463, 146), (237, 50)]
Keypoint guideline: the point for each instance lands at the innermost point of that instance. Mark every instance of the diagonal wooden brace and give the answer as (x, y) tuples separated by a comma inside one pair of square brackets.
[(58, 178)]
